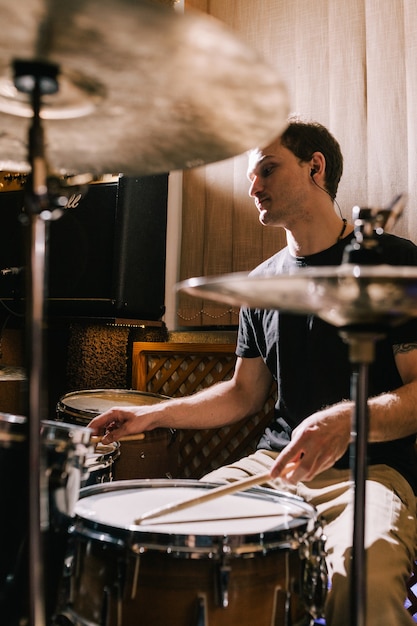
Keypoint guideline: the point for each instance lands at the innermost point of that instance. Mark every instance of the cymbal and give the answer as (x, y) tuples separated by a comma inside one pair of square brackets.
[(12, 372), (344, 295), (143, 89)]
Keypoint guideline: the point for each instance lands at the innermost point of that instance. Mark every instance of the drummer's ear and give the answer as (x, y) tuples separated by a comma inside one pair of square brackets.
[(317, 164)]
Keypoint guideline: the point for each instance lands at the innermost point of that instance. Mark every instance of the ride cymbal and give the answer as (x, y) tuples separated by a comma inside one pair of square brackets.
[(143, 89)]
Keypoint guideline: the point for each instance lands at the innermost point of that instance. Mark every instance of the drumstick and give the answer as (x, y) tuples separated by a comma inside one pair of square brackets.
[(98, 439), (217, 492), (137, 437), (199, 520)]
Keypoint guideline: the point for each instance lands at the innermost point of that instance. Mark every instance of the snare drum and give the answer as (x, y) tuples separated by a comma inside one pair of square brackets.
[(237, 560), (153, 454)]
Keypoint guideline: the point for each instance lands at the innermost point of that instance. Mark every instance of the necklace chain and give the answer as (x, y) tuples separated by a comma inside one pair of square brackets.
[(342, 232)]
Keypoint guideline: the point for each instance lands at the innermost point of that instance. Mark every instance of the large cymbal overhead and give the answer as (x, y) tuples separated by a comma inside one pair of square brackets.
[(143, 89), (345, 295)]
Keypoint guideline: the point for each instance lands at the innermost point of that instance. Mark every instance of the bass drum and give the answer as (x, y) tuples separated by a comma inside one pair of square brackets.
[(254, 557), (152, 454)]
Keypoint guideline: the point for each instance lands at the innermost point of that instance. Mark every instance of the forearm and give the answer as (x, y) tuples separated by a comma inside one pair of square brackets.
[(393, 415), (219, 405)]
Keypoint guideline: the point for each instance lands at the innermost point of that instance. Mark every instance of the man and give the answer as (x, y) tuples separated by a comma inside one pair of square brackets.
[(294, 182)]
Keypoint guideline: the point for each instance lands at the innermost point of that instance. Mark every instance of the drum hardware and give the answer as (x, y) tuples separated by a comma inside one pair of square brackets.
[(315, 575), (201, 610), (99, 464), (223, 577), (362, 298), (36, 79), (65, 451)]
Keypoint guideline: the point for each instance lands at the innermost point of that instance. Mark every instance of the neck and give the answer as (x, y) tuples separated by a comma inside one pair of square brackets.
[(312, 238)]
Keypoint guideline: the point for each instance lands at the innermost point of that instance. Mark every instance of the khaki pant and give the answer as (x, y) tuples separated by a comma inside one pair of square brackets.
[(390, 534)]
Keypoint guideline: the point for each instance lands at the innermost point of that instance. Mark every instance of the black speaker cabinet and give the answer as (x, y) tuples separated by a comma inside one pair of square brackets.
[(106, 254)]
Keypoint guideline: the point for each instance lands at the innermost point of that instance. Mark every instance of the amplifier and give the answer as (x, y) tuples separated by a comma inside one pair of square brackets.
[(106, 254)]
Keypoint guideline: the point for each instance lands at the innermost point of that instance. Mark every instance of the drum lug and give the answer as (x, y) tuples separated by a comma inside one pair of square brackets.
[(173, 434), (201, 611), (315, 576), (105, 607), (223, 577)]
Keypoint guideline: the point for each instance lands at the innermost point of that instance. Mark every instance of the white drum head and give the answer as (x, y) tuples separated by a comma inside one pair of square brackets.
[(257, 512)]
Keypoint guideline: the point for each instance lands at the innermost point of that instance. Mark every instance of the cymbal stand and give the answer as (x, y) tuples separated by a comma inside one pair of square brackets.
[(361, 355), (363, 250), (36, 79)]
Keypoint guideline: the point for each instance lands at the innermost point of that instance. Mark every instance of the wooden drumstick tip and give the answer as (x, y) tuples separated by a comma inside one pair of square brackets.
[(211, 494)]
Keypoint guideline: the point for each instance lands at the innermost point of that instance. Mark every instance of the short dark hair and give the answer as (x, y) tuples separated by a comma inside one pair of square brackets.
[(305, 138)]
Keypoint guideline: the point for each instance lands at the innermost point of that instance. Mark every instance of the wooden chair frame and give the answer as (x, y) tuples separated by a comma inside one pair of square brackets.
[(179, 369)]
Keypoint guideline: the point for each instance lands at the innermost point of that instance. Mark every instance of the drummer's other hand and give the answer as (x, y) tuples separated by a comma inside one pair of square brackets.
[(110, 425), (316, 444)]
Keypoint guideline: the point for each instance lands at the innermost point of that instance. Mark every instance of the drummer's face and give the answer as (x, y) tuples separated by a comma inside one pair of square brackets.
[(280, 184)]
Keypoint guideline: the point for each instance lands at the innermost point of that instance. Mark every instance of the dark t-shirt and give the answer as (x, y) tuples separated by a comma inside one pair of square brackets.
[(310, 360)]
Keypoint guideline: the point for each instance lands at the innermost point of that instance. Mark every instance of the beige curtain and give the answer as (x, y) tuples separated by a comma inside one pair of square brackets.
[(349, 65)]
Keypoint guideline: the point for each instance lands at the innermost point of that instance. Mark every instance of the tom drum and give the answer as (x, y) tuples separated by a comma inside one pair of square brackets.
[(153, 454), (249, 558)]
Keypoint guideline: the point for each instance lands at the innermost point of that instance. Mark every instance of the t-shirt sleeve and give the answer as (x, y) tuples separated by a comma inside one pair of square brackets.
[(247, 345)]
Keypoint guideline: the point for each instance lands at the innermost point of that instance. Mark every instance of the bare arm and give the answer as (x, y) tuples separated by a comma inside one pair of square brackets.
[(221, 404), (394, 415), (320, 440)]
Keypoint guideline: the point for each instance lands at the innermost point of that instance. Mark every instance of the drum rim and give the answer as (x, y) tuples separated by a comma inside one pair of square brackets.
[(52, 431), (75, 411), (13, 429), (11, 418), (191, 545)]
